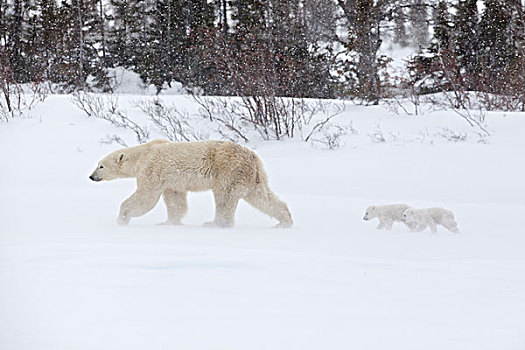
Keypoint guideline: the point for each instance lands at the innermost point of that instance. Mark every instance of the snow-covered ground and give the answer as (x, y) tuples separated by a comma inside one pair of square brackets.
[(70, 278)]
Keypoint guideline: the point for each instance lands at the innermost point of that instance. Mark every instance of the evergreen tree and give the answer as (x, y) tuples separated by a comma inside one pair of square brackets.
[(14, 31), (128, 23), (434, 68), (364, 18), (250, 16), (443, 39), (170, 47), (197, 26), (418, 15), (48, 31), (498, 49), (400, 27), (467, 41)]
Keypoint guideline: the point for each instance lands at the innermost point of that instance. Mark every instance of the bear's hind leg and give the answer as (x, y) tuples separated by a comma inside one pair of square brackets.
[(451, 225), (432, 226), (267, 202), (225, 205), (176, 205)]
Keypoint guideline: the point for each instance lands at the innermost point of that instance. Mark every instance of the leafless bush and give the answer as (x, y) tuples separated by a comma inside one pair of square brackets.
[(377, 135), (457, 98), (171, 121), (319, 116), (224, 112), (13, 100), (113, 138), (38, 92), (397, 103), (452, 135), (500, 102), (4, 114), (11, 93), (331, 136), (460, 103), (94, 106), (424, 137), (273, 118), (483, 139), (107, 108)]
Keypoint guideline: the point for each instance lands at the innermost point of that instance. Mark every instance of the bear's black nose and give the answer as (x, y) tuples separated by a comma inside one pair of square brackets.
[(91, 177)]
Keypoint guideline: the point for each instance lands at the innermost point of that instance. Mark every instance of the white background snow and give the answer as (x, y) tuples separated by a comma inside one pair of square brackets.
[(70, 278)]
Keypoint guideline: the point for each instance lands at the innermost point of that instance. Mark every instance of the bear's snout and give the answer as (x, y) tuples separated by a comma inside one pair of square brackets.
[(94, 178)]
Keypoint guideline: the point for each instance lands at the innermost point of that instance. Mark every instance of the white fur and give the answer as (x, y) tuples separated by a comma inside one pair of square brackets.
[(430, 217), (387, 215), (171, 169)]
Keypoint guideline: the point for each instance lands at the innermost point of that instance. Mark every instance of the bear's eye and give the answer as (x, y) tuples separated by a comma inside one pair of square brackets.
[(101, 167)]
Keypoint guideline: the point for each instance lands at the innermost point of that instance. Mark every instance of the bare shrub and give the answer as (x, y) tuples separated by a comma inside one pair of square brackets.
[(451, 135), (11, 92), (318, 117), (271, 117), (14, 101), (514, 101), (407, 94), (171, 121), (113, 138), (460, 103), (483, 139), (377, 135), (224, 112), (331, 136), (106, 108)]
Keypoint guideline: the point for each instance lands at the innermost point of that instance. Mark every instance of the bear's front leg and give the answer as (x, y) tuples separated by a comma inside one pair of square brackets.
[(381, 224), (432, 226), (411, 225), (138, 204), (418, 227)]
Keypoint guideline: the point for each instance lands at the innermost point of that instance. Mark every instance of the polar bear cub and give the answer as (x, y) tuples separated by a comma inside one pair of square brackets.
[(387, 214), (430, 217)]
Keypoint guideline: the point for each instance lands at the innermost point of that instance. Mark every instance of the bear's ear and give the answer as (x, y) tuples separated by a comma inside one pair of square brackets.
[(121, 158), (372, 207)]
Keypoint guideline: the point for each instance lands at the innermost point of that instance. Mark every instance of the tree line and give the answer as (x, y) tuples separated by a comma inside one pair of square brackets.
[(301, 48), (472, 51)]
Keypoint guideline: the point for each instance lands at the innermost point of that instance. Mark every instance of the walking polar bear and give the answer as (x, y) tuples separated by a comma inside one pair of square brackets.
[(430, 217), (171, 169), (387, 215)]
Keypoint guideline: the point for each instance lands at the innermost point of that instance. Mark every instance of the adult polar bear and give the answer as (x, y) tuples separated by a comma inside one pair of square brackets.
[(172, 169)]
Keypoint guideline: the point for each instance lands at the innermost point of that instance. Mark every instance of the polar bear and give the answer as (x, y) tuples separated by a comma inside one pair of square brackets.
[(387, 214), (430, 217), (171, 169)]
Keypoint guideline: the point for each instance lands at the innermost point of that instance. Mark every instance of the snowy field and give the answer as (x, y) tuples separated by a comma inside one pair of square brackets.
[(71, 279)]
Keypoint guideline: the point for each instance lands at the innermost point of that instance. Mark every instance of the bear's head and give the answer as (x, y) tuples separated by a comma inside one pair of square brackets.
[(370, 213), (111, 167), (408, 215)]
